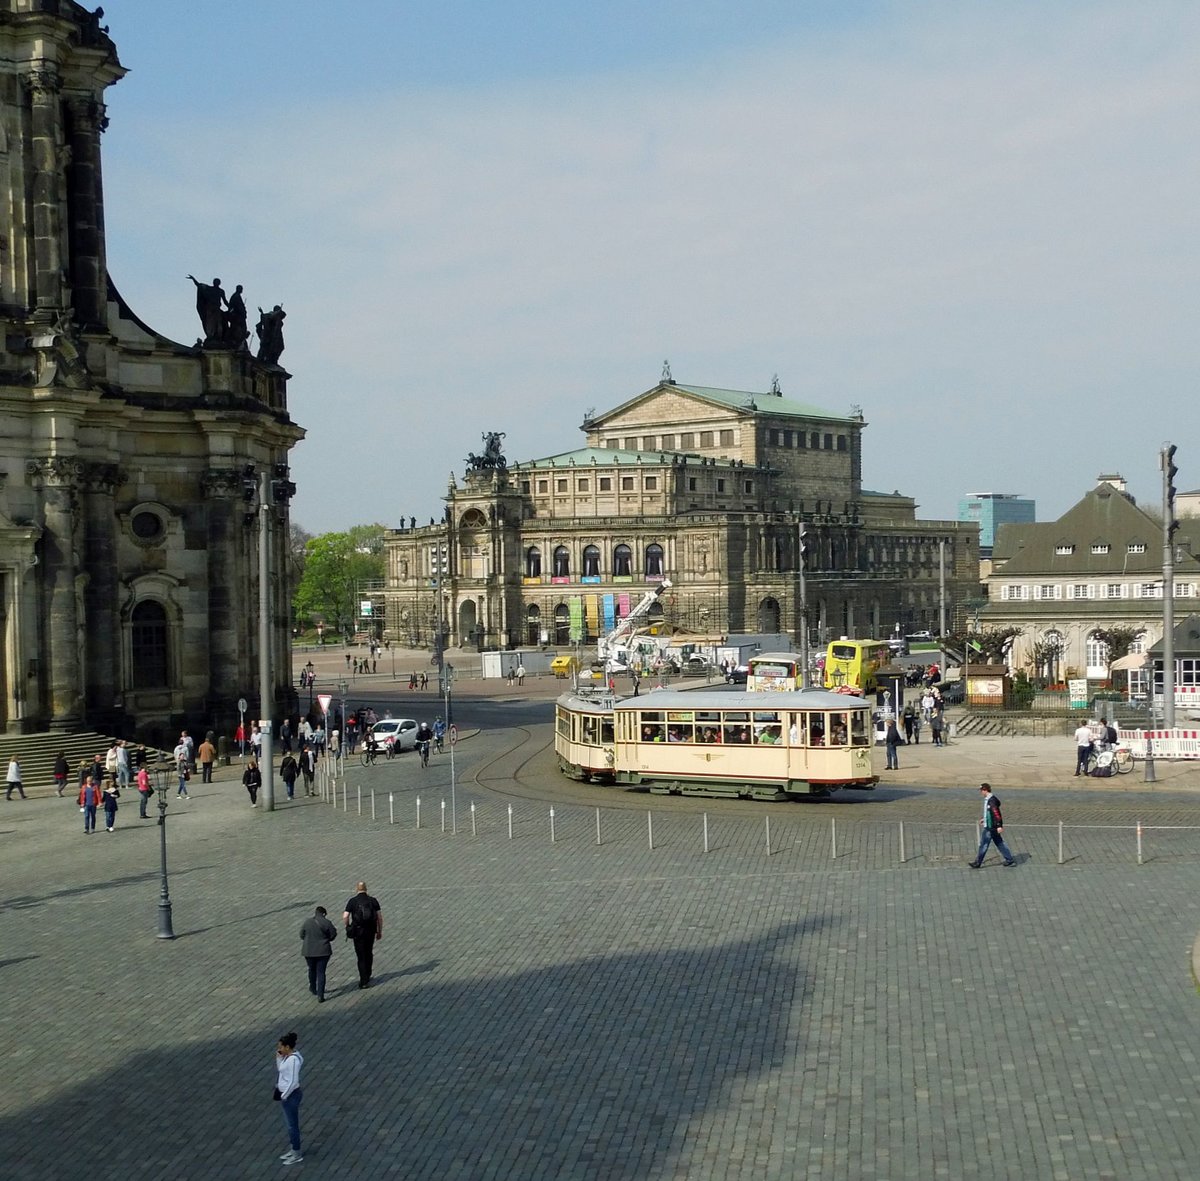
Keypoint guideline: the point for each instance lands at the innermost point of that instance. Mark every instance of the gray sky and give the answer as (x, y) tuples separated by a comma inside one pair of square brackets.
[(976, 222)]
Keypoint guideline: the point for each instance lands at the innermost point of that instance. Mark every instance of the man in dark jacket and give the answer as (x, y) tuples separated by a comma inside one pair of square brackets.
[(316, 938), (991, 829), (363, 917)]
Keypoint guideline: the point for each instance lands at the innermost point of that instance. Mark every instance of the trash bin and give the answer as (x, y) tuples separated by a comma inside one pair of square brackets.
[(223, 750)]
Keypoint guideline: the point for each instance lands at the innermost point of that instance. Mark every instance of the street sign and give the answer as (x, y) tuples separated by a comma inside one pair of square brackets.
[(243, 705), (323, 700), (453, 735)]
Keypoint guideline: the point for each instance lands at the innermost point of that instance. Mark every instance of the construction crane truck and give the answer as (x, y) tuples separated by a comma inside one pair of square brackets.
[(619, 650)]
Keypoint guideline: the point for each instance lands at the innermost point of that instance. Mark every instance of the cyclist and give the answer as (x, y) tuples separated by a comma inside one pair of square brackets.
[(439, 732), (424, 737), (370, 748)]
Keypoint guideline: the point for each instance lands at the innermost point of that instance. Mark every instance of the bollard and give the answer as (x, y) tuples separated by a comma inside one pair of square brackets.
[(552, 826), (473, 820), (706, 832), (391, 807), (344, 790), (372, 803), (358, 792), (1148, 775), (597, 826), (768, 820), (1139, 842), (650, 828), (902, 857), (833, 836), (418, 811), (510, 822), (1060, 843), (443, 816)]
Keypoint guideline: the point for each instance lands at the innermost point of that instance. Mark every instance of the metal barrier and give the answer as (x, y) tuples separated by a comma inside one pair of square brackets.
[(1167, 744)]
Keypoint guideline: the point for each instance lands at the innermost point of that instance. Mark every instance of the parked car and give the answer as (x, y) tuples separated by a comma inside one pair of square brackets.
[(696, 666), (739, 674), (399, 733)]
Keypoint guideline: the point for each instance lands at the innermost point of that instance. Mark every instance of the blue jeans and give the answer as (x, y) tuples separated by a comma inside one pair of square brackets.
[(89, 817), (291, 1115), (893, 759), (182, 785), (989, 837)]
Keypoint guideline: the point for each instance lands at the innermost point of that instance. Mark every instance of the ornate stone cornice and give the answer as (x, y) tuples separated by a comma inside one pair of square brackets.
[(88, 113), (55, 471)]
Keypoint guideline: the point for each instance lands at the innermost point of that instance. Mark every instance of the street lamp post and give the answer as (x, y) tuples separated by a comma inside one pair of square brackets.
[(447, 678), (342, 687), (162, 783)]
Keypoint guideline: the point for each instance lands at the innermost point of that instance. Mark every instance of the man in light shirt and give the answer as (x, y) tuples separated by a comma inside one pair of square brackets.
[(1083, 747)]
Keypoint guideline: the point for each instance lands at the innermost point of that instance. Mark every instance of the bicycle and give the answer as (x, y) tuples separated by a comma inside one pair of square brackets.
[(369, 755), (423, 749), (1115, 760)]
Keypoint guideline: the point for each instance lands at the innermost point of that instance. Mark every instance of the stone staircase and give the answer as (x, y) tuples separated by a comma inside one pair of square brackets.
[(1010, 725), (36, 754)]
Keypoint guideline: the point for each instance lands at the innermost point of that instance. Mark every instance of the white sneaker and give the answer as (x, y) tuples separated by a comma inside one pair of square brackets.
[(292, 1158)]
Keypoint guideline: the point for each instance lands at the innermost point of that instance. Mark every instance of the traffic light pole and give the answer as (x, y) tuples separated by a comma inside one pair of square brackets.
[(1170, 524)]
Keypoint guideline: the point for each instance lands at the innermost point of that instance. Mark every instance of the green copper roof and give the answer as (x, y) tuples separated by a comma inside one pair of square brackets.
[(603, 456), (764, 402)]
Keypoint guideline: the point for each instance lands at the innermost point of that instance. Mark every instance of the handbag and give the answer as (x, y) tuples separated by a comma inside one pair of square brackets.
[(276, 1095)]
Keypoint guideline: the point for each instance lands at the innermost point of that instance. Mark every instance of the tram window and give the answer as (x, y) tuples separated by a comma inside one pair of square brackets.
[(564, 723), (589, 731), (816, 729), (708, 726), (838, 734), (606, 729), (767, 735), (797, 727), (680, 732), (737, 732), (858, 728), (652, 731)]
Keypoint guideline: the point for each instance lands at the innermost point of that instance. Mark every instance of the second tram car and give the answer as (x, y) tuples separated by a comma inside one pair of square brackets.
[(717, 743)]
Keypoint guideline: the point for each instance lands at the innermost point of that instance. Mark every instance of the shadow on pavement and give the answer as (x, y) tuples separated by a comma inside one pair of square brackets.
[(602, 1066)]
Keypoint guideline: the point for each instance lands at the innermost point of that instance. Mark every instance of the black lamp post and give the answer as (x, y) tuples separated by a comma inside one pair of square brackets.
[(162, 784)]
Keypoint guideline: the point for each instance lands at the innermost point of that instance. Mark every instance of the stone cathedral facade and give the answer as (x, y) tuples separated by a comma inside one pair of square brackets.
[(129, 550), (706, 487)]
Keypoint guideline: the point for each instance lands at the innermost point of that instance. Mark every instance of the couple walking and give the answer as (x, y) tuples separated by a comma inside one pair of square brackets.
[(363, 919)]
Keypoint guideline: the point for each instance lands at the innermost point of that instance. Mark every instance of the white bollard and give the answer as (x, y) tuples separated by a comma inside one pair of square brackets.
[(552, 826), (372, 803), (510, 822), (358, 791), (1060, 842), (706, 832), (418, 811), (1139, 842), (345, 806), (391, 807), (768, 820), (597, 826), (833, 836), (902, 858), (473, 820), (650, 828), (443, 816)]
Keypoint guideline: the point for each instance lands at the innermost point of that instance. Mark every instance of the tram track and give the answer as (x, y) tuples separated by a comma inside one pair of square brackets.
[(527, 770)]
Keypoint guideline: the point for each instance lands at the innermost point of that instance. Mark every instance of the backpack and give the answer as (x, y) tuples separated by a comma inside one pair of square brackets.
[(362, 919), (995, 816)]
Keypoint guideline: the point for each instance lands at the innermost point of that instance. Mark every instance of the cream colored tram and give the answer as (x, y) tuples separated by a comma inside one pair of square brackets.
[(583, 735), (718, 743)]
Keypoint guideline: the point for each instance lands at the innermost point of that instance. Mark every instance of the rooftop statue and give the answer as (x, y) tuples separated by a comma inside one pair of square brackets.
[(270, 334), (491, 459)]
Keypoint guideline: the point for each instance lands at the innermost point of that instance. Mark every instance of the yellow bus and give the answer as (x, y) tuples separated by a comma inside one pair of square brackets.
[(851, 665)]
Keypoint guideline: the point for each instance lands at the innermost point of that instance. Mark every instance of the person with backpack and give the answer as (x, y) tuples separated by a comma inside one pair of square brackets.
[(145, 791), (363, 917), (112, 793), (991, 830), (289, 769), (252, 780)]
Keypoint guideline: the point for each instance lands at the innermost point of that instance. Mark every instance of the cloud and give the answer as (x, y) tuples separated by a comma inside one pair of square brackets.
[(979, 226)]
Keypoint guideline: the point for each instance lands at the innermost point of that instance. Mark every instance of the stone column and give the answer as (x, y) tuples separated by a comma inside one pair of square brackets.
[(229, 603), (62, 675), (85, 210), (45, 132), (102, 624)]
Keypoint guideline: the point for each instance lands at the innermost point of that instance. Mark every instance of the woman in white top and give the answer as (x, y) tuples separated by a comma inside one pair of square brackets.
[(14, 780), (287, 1089)]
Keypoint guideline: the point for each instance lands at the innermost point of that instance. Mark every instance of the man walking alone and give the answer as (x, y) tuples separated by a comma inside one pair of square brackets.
[(991, 830), (363, 917)]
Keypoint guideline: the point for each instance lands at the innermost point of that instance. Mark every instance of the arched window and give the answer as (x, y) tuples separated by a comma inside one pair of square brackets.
[(622, 561), (149, 648), (533, 562), (654, 560), (768, 616), (591, 561), (562, 562), (1097, 657), (533, 624), (562, 625), (473, 518)]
